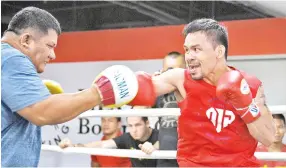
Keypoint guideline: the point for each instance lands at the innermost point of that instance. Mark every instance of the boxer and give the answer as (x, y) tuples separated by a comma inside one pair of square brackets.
[(223, 114)]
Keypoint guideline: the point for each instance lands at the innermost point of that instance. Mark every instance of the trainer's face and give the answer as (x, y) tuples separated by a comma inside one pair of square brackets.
[(173, 62), (200, 55), (280, 129), (110, 125), (40, 47), (137, 127)]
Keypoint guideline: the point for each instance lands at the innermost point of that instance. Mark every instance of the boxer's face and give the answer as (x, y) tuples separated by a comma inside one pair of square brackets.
[(200, 55), (40, 47), (110, 125), (137, 127), (173, 62), (280, 129)]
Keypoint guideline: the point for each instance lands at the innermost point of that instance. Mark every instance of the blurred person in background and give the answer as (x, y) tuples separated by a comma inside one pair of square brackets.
[(168, 136), (140, 136), (278, 145), (110, 127)]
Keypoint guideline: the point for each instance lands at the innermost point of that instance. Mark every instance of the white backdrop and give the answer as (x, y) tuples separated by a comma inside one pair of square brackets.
[(75, 76)]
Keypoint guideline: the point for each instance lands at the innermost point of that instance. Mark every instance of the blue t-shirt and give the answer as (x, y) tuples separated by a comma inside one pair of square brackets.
[(21, 87)]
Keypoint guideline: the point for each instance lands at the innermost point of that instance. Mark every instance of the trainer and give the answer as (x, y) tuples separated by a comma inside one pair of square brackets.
[(27, 104)]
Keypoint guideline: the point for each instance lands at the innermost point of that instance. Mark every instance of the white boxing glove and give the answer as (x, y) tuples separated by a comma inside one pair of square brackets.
[(117, 86)]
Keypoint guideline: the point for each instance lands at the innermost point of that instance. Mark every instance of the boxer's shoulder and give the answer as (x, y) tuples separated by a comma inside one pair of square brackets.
[(178, 72), (174, 76), (180, 75)]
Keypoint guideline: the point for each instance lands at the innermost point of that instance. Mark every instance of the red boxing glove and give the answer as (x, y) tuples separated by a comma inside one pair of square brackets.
[(146, 95), (233, 88)]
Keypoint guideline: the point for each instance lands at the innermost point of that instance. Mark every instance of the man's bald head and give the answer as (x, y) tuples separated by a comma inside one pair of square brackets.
[(173, 60)]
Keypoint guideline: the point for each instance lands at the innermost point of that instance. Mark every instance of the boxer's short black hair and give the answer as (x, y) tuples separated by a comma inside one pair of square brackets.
[(214, 31), (32, 17)]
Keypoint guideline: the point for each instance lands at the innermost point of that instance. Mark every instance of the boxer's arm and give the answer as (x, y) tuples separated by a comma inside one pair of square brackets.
[(168, 81), (262, 129), (150, 87), (61, 107)]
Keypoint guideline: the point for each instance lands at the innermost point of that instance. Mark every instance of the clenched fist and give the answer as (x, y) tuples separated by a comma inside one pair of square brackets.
[(147, 148), (65, 143)]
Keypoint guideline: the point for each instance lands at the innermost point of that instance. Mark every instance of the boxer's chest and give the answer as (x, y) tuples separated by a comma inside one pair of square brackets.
[(201, 105)]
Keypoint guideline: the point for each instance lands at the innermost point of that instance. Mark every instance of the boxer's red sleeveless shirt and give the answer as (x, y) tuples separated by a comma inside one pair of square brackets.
[(209, 131)]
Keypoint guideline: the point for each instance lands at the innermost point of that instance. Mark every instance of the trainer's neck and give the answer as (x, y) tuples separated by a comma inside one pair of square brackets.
[(213, 77), (275, 147), (11, 39)]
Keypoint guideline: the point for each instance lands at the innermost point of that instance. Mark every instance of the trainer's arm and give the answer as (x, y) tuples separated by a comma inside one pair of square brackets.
[(168, 81), (60, 108), (262, 129), (24, 93)]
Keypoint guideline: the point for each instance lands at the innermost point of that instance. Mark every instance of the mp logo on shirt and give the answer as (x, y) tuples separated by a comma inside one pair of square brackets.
[(220, 118)]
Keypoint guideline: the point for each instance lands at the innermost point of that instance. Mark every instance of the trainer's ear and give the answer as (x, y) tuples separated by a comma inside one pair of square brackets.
[(220, 51), (25, 40)]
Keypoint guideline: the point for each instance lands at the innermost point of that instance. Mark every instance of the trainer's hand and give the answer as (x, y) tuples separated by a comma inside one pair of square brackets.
[(117, 86), (234, 89), (53, 86), (147, 148), (146, 95), (65, 143)]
